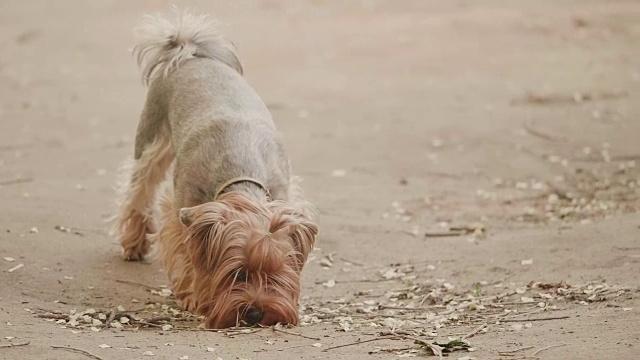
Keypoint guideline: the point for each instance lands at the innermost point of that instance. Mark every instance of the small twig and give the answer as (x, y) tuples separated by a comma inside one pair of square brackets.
[(357, 281), (364, 316), (626, 248), (385, 337), (142, 322), (409, 308), (54, 316), (475, 332), (514, 303), (76, 350), (133, 310), (15, 344), (351, 262), (505, 352), (445, 234), (281, 330), (528, 127), (111, 317), (536, 319), (626, 157), (228, 331), (546, 348), (404, 335), (499, 296), (139, 284), (158, 319), (21, 265), (293, 347), (398, 332), (466, 228), (15, 181)]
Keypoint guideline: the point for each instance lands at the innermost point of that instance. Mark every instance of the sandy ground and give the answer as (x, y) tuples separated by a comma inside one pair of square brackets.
[(517, 121)]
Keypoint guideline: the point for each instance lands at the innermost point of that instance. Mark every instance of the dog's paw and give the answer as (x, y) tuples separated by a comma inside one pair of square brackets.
[(130, 255), (135, 253), (188, 303)]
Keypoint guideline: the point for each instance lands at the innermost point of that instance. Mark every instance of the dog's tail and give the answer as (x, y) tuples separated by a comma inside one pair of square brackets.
[(164, 45)]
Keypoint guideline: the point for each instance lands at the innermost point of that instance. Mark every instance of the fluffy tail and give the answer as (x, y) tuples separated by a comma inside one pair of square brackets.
[(164, 45)]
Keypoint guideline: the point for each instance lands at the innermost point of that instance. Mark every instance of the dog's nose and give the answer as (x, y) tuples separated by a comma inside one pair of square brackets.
[(253, 316)]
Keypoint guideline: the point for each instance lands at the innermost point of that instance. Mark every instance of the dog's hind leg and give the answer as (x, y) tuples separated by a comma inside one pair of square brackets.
[(153, 156)]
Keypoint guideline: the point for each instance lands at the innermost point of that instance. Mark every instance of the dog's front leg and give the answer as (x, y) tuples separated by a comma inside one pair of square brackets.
[(134, 217)]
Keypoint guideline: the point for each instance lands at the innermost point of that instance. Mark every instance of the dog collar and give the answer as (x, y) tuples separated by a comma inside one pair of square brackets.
[(238, 180)]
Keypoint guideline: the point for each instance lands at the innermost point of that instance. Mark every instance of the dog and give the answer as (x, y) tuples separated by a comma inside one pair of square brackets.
[(210, 182)]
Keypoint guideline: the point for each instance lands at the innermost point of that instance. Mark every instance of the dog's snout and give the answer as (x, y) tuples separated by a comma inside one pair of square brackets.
[(253, 316)]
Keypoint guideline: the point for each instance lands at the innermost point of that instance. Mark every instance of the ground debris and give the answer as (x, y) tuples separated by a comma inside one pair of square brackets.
[(426, 310), (435, 315), (152, 316), (576, 98)]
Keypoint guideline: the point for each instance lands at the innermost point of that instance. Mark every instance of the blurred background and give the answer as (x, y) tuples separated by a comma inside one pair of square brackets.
[(516, 120)]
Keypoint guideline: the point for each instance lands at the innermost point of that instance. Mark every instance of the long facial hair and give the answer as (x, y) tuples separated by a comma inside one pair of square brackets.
[(247, 254)]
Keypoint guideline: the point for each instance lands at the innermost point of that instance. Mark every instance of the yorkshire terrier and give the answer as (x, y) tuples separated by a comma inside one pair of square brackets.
[(210, 182)]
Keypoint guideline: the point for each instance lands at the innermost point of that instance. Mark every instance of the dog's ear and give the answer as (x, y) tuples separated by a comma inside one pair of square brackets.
[(186, 216), (302, 231), (207, 225), (210, 212)]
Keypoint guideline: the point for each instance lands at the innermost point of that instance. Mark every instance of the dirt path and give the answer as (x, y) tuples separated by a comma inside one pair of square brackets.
[(513, 127)]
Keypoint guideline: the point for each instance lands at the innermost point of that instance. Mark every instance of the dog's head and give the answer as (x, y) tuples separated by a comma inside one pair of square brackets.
[(247, 259)]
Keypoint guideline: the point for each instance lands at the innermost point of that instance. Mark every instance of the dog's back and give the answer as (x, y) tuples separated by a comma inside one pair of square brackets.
[(214, 116)]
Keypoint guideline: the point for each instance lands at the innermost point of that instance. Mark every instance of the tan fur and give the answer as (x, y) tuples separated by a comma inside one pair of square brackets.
[(211, 184), (170, 238), (133, 221)]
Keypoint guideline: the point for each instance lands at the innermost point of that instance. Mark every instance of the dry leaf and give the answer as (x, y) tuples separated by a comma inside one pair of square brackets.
[(330, 283), (148, 353), (104, 346), (19, 266), (116, 325), (326, 262), (392, 274), (526, 262), (448, 286)]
